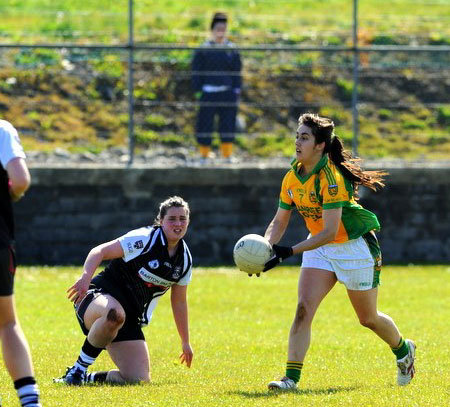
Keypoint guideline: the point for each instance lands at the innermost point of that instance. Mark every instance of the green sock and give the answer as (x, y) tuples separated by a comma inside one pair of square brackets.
[(401, 350), (294, 370)]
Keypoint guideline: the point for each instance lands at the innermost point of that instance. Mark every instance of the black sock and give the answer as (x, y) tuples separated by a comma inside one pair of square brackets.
[(87, 356), (96, 377)]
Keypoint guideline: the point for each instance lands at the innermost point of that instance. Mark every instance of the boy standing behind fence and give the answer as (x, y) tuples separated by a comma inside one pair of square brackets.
[(216, 76)]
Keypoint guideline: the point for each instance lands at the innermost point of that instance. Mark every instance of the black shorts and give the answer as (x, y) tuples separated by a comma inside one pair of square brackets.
[(131, 329), (7, 270)]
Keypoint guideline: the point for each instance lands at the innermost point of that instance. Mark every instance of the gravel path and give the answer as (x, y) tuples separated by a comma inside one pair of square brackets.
[(184, 157)]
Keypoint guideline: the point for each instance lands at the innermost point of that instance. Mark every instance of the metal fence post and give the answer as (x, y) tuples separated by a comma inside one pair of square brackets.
[(130, 83), (355, 79)]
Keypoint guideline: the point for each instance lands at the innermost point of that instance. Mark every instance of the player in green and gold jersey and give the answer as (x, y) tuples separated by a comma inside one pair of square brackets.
[(342, 246)]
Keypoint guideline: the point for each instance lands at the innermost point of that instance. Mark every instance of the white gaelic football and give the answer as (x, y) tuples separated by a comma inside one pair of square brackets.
[(251, 252)]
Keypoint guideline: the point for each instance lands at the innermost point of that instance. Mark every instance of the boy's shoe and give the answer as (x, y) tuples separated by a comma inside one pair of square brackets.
[(405, 365), (74, 376), (284, 384)]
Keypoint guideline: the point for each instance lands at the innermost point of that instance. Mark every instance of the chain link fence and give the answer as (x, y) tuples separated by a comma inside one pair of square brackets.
[(136, 95)]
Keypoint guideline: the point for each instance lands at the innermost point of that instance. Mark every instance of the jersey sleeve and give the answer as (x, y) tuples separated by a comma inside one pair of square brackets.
[(286, 201), (187, 260), (187, 278), (134, 242), (333, 189), (10, 146)]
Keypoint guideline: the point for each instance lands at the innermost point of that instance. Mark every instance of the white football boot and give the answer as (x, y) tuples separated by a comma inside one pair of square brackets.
[(405, 365), (283, 384)]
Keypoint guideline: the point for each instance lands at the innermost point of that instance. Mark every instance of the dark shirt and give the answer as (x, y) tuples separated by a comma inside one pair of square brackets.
[(146, 272), (221, 67)]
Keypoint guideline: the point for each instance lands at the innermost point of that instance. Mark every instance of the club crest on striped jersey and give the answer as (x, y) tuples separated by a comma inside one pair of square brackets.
[(153, 264), (312, 197), (333, 190), (176, 272)]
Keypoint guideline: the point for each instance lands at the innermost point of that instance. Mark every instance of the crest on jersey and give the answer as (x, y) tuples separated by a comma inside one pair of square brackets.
[(333, 190), (176, 272), (312, 197), (291, 195), (153, 264), (139, 244)]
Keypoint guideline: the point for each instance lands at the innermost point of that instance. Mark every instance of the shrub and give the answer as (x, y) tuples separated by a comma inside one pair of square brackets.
[(156, 120), (109, 65), (196, 22), (344, 88), (384, 39), (414, 124), (443, 115), (33, 58), (385, 114), (146, 138)]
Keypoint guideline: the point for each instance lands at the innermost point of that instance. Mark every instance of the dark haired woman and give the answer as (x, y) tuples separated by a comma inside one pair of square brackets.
[(112, 308), (342, 246)]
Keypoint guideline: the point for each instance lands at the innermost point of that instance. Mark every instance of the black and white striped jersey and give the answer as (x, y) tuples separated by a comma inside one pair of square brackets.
[(145, 272), (10, 148)]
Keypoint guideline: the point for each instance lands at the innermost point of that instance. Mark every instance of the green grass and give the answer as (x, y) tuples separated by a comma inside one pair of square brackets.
[(328, 21), (239, 329)]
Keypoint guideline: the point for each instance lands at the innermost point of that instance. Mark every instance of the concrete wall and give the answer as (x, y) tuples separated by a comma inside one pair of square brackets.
[(67, 211)]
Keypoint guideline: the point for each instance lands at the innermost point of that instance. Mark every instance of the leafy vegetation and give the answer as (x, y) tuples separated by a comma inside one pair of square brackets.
[(77, 99)]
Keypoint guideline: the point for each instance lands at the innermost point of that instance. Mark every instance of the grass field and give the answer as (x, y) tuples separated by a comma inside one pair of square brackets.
[(174, 21), (239, 330)]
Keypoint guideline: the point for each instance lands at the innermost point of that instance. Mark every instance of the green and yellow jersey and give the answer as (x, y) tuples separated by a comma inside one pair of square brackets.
[(326, 188)]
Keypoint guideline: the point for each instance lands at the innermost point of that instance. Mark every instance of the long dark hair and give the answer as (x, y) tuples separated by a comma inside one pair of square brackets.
[(173, 201), (323, 131)]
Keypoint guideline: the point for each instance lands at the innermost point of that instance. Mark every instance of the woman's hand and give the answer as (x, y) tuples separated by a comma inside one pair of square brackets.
[(187, 354), (280, 253), (77, 292)]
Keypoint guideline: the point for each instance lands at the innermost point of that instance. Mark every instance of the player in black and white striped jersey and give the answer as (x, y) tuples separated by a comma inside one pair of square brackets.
[(14, 182), (113, 306)]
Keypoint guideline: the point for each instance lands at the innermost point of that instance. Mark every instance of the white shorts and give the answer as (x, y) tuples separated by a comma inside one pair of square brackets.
[(351, 261)]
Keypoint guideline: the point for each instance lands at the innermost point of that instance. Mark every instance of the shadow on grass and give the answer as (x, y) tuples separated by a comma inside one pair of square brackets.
[(59, 382), (276, 393)]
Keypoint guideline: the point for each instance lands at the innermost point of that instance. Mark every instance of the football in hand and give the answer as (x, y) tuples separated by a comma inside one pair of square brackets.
[(251, 252)]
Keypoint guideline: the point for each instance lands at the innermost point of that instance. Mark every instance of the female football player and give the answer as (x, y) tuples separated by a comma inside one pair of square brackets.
[(113, 306), (342, 246), (14, 182)]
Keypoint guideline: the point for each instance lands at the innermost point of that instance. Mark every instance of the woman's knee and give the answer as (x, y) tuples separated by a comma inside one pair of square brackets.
[(8, 326), (136, 377), (115, 318), (368, 321)]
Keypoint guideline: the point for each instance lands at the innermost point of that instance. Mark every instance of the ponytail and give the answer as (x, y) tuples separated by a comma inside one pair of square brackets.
[(351, 169), (323, 130)]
